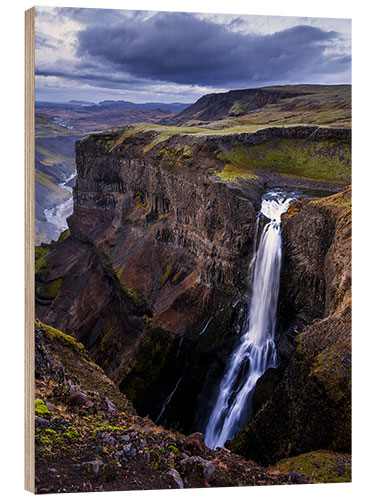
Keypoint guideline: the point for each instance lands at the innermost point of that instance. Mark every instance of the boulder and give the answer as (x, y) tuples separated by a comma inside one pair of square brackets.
[(208, 467), (195, 444), (176, 478), (77, 399)]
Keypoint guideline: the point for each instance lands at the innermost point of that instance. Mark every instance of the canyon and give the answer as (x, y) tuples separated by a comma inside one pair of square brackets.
[(152, 276)]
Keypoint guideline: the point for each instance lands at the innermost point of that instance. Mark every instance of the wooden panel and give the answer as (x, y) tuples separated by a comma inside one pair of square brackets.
[(29, 247)]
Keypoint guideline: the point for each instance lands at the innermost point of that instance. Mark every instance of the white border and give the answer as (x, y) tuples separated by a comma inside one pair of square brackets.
[(12, 300)]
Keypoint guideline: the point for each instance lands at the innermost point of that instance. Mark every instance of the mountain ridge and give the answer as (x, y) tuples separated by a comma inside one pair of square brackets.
[(288, 104)]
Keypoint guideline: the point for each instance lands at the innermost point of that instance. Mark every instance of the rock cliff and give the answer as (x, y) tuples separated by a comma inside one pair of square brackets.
[(153, 275)]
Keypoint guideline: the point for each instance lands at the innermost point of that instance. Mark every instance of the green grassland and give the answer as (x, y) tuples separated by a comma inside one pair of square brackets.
[(318, 160), (328, 161)]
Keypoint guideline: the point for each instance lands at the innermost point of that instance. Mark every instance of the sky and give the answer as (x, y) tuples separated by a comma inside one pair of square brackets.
[(142, 56)]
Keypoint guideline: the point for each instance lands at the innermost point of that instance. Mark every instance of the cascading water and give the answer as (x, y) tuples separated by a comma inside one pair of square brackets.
[(168, 400), (256, 351)]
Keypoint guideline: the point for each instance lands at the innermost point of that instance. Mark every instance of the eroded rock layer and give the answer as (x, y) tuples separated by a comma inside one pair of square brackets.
[(153, 275)]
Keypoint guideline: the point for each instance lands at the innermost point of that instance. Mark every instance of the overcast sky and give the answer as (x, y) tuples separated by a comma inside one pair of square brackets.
[(140, 56)]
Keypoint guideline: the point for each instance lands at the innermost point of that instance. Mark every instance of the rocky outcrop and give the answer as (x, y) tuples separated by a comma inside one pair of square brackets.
[(310, 408), (103, 445), (78, 291)]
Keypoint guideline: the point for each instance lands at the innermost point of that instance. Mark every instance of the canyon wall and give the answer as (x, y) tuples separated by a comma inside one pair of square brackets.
[(153, 275)]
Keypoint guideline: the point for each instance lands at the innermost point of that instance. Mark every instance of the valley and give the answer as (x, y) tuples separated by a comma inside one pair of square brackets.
[(151, 278)]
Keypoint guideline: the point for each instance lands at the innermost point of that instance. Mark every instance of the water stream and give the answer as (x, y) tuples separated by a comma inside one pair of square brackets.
[(168, 400), (256, 351), (58, 214)]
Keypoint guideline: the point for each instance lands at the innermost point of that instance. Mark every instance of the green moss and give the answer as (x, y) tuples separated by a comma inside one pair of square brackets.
[(313, 160), (176, 278), (109, 337), (174, 449), (51, 289), (41, 409), (165, 275), (140, 202), (64, 235), (107, 262), (40, 260), (172, 270), (106, 427), (45, 440), (119, 273), (318, 466), (50, 431), (62, 337), (238, 165), (238, 108), (72, 433), (40, 251), (155, 459), (187, 153), (235, 174), (332, 372), (144, 370), (135, 296), (321, 160)]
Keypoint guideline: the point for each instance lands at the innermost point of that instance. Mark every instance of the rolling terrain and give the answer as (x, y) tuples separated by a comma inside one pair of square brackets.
[(326, 105), (104, 115)]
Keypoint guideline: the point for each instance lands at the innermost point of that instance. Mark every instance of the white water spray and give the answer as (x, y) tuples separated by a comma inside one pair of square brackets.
[(256, 351)]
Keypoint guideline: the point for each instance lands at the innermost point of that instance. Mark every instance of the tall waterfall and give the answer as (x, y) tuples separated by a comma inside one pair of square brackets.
[(256, 351)]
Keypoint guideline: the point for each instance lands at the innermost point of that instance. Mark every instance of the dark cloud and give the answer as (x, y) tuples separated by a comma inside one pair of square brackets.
[(183, 49)]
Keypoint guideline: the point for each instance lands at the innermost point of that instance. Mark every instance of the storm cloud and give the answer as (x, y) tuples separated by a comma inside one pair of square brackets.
[(140, 55), (183, 49)]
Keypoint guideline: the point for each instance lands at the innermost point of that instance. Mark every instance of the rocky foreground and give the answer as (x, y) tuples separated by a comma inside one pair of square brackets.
[(89, 437)]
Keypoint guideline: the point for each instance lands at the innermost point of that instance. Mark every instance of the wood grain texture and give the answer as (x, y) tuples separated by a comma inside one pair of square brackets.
[(29, 247)]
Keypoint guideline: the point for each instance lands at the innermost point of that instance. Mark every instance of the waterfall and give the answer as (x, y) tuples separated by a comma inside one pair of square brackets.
[(206, 325), (256, 351), (168, 400)]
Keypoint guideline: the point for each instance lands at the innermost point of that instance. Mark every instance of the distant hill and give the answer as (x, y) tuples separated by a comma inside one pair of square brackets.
[(174, 107), (86, 117), (81, 103), (284, 105)]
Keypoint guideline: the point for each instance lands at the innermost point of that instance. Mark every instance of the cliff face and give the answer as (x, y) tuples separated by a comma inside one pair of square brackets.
[(165, 198), (309, 408), (153, 276)]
